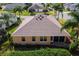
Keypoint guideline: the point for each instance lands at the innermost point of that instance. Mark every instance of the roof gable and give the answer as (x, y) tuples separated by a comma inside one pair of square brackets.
[(40, 25)]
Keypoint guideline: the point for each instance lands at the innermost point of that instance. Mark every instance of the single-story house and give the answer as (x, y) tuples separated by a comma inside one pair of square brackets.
[(41, 30), (70, 6), (12, 6), (36, 7)]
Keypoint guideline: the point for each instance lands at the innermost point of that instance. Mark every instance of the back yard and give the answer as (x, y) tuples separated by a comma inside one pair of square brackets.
[(35, 51), (8, 49)]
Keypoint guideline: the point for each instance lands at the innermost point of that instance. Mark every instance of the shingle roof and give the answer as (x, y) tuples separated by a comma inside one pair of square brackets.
[(12, 6), (36, 6), (34, 26)]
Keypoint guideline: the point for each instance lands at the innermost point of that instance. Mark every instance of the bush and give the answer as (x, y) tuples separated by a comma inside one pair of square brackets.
[(73, 46), (42, 52)]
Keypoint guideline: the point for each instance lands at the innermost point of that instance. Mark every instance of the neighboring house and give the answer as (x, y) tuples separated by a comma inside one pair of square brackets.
[(70, 6), (36, 7), (41, 30), (12, 6)]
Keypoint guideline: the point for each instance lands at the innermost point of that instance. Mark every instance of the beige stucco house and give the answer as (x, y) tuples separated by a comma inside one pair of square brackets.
[(41, 30)]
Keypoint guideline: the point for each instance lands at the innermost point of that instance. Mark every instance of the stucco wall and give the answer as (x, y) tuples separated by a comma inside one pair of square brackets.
[(28, 40)]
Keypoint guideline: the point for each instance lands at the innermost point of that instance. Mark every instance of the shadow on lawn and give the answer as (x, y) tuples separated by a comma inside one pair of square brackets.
[(32, 47), (28, 47)]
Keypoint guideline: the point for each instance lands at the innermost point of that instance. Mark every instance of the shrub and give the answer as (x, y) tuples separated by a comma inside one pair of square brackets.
[(73, 46)]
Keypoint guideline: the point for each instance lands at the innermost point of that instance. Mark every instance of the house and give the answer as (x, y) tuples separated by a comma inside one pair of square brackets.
[(36, 7), (41, 30), (12, 6), (70, 6)]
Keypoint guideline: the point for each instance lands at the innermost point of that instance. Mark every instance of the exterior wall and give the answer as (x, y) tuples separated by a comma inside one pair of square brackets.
[(28, 40)]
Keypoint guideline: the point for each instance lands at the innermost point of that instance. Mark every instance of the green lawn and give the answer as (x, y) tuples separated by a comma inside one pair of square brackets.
[(24, 13), (12, 28), (1, 11), (50, 13), (38, 52), (53, 13)]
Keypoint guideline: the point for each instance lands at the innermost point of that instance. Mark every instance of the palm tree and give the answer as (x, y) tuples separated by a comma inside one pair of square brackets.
[(46, 7), (73, 24), (59, 7), (27, 5), (18, 9)]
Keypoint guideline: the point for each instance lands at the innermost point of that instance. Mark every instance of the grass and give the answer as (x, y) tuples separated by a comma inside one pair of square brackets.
[(6, 44), (39, 52), (1, 11), (62, 21), (12, 28), (24, 13), (51, 13), (4, 47)]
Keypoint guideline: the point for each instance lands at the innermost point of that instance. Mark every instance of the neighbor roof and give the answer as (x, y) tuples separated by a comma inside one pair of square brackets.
[(36, 6), (12, 6), (40, 25)]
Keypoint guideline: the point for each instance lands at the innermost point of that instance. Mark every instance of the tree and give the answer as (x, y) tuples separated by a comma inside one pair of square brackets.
[(4, 36), (6, 18), (27, 5), (73, 24), (46, 7), (18, 9), (58, 7)]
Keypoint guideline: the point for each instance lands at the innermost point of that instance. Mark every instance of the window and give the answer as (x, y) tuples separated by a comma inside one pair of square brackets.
[(55, 38), (51, 43), (61, 39), (41, 38), (23, 38), (33, 38), (51, 38), (45, 38)]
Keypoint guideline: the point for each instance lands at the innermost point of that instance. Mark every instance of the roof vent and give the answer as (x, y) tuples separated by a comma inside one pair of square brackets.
[(40, 17)]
